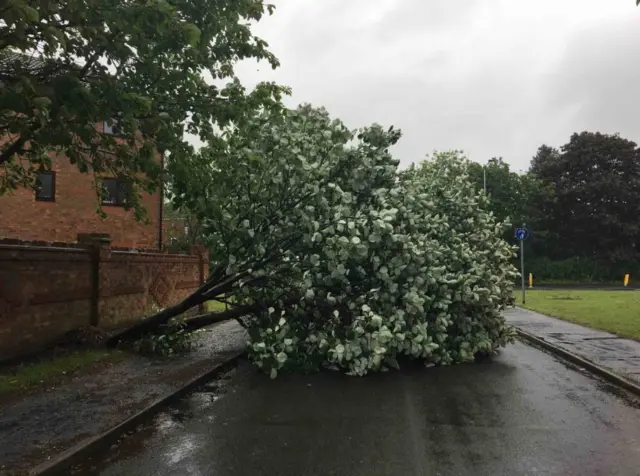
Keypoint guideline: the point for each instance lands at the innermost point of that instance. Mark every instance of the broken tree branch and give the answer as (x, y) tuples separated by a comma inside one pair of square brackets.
[(209, 318)]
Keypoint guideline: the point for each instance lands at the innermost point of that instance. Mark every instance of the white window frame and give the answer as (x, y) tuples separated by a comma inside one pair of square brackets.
[(113, 128)]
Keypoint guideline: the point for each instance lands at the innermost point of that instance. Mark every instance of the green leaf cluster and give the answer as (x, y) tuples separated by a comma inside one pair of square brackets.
[(67, 66), (347, 261)]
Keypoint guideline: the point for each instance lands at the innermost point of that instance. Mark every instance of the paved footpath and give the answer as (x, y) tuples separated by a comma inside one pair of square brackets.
[(37, 427), (622, 356)]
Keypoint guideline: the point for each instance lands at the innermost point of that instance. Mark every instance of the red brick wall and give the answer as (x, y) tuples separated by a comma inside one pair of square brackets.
[(133, 283), (46, 291), (173, 228), (74, 211)]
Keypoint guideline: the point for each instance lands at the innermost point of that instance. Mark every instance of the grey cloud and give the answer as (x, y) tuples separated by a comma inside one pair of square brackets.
[(598, 82), (317, 31), (421, 15), (492, 77)]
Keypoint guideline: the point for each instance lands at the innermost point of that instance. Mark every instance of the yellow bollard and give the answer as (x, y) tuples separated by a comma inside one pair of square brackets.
[(530, 280), (626, 280)]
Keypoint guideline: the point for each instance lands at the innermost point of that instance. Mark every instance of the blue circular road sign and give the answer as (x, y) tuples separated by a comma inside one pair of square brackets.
[(522, 234)]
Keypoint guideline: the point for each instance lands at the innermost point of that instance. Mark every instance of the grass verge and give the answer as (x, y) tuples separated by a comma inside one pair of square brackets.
[(214, 306), (617, 312), (29, 375)]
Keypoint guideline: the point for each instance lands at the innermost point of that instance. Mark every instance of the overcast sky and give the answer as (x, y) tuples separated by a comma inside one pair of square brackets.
[(491, 77)]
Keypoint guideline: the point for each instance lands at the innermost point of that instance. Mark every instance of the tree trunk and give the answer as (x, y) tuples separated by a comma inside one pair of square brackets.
[(214, 286), (213, 317), (152, 323)]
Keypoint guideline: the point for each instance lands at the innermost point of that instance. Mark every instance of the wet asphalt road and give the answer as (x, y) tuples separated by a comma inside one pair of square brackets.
[(524, 413)]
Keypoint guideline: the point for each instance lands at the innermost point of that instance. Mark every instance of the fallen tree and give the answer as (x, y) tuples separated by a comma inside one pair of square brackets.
[(250, 191), (336, 256)]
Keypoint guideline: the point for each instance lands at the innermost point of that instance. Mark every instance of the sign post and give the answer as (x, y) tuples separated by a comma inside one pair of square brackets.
[(521, 235)]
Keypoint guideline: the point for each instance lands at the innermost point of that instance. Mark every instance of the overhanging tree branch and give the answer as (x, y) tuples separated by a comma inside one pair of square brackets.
[(13, 149)]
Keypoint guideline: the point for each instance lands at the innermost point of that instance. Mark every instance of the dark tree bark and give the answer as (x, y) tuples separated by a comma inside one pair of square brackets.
[(13, 149), (153, 323), (209, 318), (208, 291), (217, 285)]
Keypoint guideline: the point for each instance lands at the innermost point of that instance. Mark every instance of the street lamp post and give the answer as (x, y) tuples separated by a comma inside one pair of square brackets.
[(484, 175)]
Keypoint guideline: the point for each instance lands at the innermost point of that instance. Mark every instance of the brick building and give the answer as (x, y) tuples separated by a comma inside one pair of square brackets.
[(65, 206)]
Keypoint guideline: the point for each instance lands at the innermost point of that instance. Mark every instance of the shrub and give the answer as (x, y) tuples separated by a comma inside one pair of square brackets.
[(579, 270)]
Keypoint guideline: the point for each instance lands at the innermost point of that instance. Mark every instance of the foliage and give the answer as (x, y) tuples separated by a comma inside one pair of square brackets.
[(341, 259), (184, 230), (517, 198), (172, 339), (581, 204), (545, 155), (67, 66), (596, 178), (580, 270), (503, 186)]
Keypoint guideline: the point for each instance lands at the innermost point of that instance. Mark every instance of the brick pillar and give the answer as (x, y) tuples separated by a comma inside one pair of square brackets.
[(203, 261), (203, 267), (99, 247)]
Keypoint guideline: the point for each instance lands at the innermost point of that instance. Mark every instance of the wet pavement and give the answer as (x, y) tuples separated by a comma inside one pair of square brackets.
[(608, 350), (38, 426), (522, 413)]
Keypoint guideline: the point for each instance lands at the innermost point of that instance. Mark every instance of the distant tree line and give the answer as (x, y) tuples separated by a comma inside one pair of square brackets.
[(581, 203)]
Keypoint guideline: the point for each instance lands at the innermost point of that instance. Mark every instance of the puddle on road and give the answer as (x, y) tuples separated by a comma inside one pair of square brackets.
[(135, 441)]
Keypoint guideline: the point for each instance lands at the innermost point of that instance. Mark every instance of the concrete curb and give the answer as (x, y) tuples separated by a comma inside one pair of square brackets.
[(581, 361), (63, 462)]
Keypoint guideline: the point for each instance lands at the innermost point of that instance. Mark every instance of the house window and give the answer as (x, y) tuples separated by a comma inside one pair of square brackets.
[(46, 187), (112, 126), (115, 191)]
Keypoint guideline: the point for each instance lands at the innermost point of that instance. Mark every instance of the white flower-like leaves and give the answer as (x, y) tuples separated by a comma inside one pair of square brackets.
[(368, 263)]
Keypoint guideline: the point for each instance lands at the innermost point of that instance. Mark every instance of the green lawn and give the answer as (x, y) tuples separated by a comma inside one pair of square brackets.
[(617, 312), (45, 371), (214, 306)]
